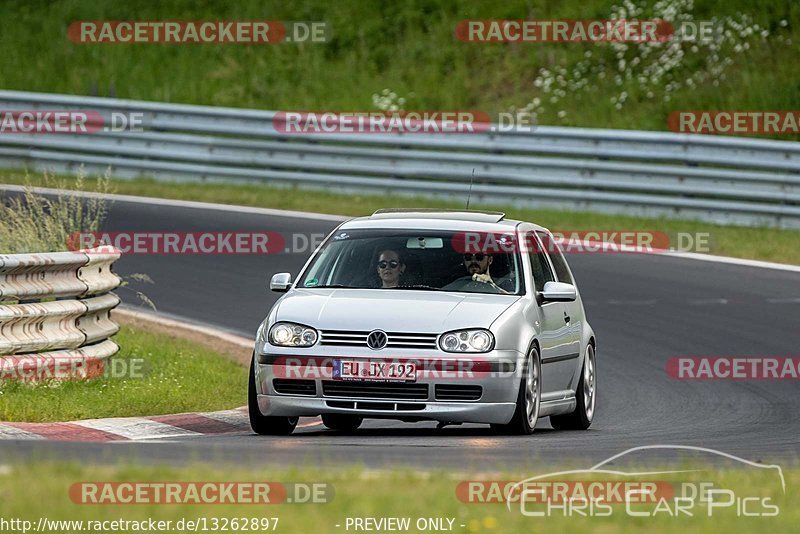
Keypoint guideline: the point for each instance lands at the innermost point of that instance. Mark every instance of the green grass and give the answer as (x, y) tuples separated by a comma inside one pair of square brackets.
[(743, 242), (408, 47), (397, 493), (177, 376)]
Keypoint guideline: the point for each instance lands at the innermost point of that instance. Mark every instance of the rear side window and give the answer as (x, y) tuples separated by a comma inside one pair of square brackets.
[(556, 257), (539, 266)]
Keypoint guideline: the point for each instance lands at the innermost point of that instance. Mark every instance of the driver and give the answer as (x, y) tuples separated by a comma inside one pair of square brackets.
[(477, 266)]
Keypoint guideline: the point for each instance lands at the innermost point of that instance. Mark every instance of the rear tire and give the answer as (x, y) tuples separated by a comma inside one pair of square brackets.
[(528, 399), (341, 422), (586, 397), (262, 424)]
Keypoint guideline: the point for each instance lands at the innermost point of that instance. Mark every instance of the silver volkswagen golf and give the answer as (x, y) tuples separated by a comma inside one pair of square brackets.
[(449, 316)]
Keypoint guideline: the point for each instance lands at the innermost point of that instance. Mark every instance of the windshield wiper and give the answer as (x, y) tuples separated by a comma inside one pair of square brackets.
[(342, 286), (421, 287)]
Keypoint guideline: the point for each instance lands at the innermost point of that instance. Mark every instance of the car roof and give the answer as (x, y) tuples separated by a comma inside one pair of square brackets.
[(461, 215), (436, 219)]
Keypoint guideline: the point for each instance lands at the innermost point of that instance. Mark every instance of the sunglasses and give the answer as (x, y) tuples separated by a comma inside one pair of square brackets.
[(478, 257), (392, 264)]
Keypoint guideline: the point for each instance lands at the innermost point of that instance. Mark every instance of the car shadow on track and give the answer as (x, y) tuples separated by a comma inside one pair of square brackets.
[(412, 431)]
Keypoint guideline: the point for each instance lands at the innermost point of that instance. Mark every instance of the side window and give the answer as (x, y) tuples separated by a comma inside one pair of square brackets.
[(539, 266), (559, 263)]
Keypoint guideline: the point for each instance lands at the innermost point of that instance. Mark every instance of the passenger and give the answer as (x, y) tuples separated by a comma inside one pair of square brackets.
[(390, 268)]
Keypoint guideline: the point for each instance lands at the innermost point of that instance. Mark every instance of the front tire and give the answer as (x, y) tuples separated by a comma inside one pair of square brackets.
[(586, 398), (262, 424), (528, 399), (341, 422)]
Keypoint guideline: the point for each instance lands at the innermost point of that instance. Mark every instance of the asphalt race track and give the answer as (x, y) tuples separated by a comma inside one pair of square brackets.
[(644, 309)]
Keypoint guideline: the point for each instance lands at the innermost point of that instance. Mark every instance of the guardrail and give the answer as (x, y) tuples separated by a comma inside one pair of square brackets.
[(60, 318), (716, 178)]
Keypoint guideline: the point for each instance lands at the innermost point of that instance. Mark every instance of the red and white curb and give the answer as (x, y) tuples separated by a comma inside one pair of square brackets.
[(138, 428)]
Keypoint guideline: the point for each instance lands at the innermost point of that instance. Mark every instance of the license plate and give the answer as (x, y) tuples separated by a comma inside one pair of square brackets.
[(374, 371)]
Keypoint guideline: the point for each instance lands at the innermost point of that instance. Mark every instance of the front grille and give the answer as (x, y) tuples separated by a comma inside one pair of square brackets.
[(458, 392), (375, 390), (395, 340), (383, 406), (288, 386)]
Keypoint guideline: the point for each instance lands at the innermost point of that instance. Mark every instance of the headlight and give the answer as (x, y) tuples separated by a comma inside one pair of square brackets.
[(292, 335), (478, 340)]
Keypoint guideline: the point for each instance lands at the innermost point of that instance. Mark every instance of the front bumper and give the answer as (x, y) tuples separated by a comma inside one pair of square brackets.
[(454, 412), (495, 404)]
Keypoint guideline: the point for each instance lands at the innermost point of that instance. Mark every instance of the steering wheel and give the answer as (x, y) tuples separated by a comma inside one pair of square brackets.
[(479, 287)]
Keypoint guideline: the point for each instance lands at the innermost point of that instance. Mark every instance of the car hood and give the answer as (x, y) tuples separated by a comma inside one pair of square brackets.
[(391, 310)]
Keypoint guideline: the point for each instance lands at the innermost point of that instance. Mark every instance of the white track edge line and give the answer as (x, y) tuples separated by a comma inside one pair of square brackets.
[(620, 248), (239, 341), (327, 217), (182, 203)]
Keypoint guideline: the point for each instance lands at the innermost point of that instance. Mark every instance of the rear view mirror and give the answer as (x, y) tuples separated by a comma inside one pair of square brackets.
[(424, 242), (281, 282), (559, 292)]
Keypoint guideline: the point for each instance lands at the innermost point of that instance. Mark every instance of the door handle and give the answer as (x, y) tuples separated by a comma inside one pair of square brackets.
[(566, 318)]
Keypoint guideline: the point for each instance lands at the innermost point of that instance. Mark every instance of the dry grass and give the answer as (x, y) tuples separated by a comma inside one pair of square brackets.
[(30, 222)]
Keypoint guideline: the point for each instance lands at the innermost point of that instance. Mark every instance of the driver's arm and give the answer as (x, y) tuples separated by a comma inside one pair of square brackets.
[(487, 279)]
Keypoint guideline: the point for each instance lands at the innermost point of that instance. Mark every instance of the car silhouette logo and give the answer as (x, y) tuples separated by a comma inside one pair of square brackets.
[(377, 339)]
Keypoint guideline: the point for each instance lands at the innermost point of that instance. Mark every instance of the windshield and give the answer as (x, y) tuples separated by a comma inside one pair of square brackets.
[(411, 260)]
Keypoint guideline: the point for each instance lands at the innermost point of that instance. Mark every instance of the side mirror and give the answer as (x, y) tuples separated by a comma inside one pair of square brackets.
[(281, 282), (559, 292)]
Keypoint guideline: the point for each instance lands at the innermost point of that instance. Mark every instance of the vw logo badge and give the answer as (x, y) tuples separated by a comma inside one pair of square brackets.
[(377, 339)]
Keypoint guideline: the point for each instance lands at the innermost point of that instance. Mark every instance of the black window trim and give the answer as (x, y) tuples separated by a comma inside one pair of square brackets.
[(554, 272), (548, 264)]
